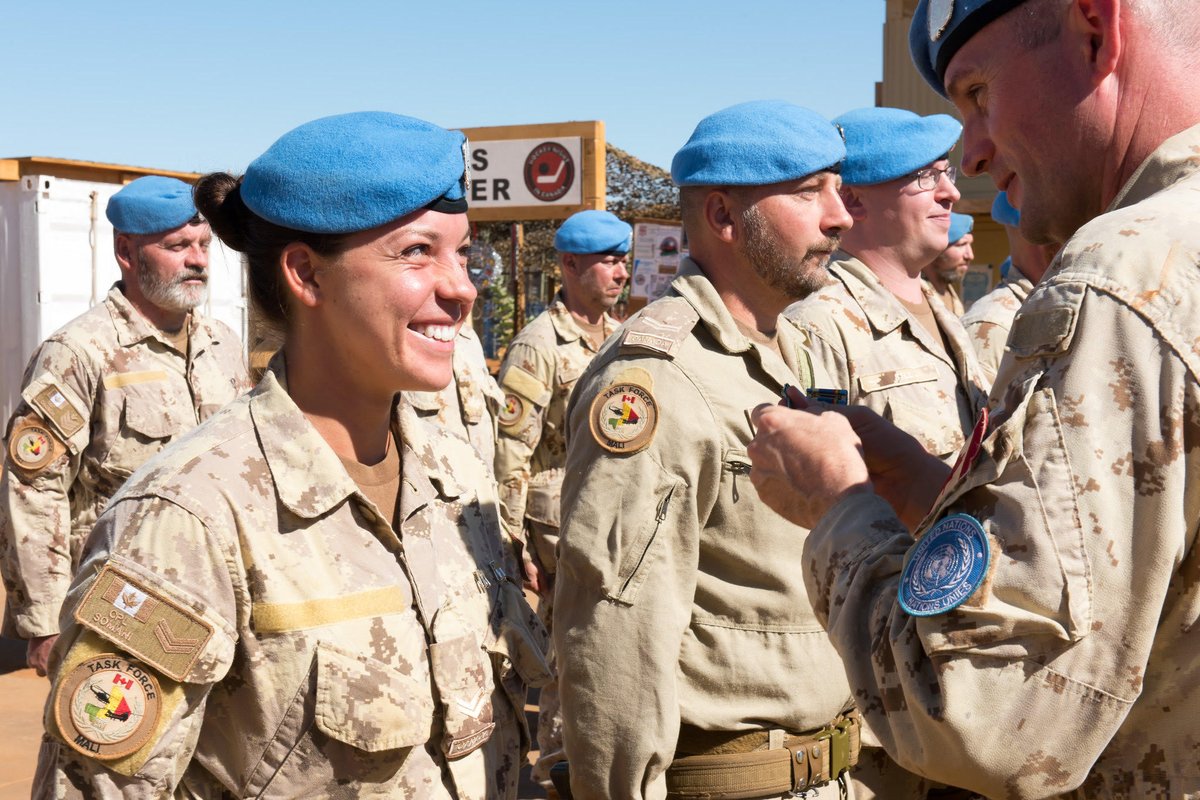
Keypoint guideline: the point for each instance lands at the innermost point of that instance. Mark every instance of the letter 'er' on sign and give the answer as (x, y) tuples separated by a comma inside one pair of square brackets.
[(1037, 639)]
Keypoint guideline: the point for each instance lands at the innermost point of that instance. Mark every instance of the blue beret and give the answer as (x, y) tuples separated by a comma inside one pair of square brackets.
[(756, 144), (883, 144), (960, 226), (593, 232), (940, 27), (1003, 211), (152, 204), (352, 172)]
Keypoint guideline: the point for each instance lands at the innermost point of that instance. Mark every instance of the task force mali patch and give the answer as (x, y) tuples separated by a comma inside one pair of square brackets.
[(623, 418), (107, 707), (512, 412), (32, 446), (158, 631)]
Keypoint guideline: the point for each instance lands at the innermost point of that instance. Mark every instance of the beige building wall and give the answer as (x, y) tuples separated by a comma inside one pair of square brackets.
[(903, 87)]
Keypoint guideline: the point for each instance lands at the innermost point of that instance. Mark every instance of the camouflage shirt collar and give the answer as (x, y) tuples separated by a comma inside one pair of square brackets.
[(133, 327), (308, 476), (1174, 160), (880, 306), (693, 285), (565, 326)]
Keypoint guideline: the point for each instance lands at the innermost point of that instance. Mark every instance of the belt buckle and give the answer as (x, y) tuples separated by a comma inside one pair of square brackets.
[(839, 748)]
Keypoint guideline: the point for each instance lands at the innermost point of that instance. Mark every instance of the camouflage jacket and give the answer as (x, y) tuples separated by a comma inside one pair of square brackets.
[(468, 406), (869, 343), (100, 396), (1074, 663), (537, 376), (991, 317), (294, 642), (680, 599)]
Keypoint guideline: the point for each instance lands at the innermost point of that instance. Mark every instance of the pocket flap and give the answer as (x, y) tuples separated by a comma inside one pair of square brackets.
[(522, 640), (368, 704), (151, 412)]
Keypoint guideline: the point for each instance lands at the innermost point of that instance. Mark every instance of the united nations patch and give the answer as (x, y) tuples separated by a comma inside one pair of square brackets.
[(945, 567), (513, 410), (939, 14), (32, 446), (107, 707), (623, 418)]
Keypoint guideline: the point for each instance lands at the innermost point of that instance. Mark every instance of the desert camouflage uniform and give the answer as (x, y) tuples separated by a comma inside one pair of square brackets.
[(680, 599), (468, 406), (109, 390), (951, 297), (537, 376), (1076, 663), (869, 343), (991, 317), (319, 651)]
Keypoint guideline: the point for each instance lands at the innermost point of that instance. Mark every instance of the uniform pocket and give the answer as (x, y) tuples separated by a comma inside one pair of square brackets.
[(1045, 599), (149, 420), (464, 682), (367, 704), (637, 552)]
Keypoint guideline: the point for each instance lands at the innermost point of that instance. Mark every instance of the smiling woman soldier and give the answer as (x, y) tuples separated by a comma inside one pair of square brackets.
[(309, 596)]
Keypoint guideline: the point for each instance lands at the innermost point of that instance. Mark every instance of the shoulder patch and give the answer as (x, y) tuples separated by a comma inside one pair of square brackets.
[(107, 707), (660, 328), (523, 382), (32, 446), (623, 418), (945, 567), (56, 408), (1042, 333), (513, 412), (125, 611)]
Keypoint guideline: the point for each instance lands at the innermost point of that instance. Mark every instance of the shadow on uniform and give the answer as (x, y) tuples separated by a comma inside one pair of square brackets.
[(12, 655)]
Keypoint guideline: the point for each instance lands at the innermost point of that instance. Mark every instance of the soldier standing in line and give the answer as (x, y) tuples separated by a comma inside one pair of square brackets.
[(681, 616), (878, 329), (104, 393), (309, 596), (991, 317), (946, 272), (538, 374), (1038, 638)]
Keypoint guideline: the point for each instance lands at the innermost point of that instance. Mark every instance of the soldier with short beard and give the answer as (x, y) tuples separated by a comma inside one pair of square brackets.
[(104, 393)]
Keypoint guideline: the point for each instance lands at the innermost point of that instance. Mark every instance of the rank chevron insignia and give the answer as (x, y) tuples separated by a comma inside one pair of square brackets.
[(472, 707), (171, 643)]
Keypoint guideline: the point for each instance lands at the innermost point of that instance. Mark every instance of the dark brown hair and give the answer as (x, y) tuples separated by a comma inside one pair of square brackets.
[(218, 197)]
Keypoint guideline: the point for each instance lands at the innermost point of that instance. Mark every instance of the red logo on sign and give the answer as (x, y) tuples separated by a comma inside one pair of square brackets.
[(549, 172)]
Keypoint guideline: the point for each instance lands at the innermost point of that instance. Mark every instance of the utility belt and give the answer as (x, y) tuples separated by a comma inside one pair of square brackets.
[(728, 765)]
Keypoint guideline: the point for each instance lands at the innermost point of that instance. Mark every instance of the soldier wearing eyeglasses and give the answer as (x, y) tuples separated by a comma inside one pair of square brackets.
[(878, 329)]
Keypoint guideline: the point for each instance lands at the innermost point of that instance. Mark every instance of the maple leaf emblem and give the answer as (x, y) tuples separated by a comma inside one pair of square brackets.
[(129, 598)]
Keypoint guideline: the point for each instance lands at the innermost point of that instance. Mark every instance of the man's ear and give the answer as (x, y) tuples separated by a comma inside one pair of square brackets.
[(125, 251), (720, 215), (299, 265), (853, 202), (568, 262), (1096, 27)]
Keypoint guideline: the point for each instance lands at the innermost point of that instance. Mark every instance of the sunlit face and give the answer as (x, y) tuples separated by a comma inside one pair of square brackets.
[(1040, 146), (955, 260), (394, 300), (913, 221), (595, 280), (172, 267), (789, 230)]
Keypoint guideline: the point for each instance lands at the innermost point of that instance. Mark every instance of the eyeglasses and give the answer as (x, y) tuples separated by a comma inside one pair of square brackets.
[(927, 179)]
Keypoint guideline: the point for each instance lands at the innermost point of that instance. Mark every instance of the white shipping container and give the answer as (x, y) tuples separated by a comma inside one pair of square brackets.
[(56, 262)]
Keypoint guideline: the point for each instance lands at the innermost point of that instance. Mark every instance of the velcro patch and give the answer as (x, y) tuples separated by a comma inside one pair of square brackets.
[(144, 622), (1042, 332), (107, 707), (623, 418), (32, 446), (55, 407), (525, 383), (119, 379)]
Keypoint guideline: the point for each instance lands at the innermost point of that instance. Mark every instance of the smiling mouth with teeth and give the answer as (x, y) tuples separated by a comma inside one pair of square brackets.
[(439, 333)]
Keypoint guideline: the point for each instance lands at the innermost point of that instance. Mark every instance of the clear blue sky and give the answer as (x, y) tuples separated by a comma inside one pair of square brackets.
[(209, 85)]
